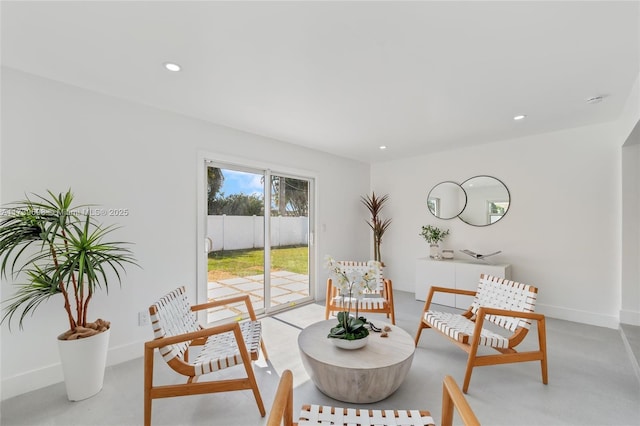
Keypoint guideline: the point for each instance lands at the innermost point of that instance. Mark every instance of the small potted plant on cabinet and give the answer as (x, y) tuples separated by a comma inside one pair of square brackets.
[(51, 247), (433, 235)]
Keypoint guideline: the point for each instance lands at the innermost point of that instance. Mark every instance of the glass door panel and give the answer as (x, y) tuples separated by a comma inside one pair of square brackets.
[(289, 255), (235, 239)]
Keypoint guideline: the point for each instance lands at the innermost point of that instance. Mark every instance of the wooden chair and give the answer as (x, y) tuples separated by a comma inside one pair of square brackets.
[(380, 300), (282, 410), (176, 330), (506, 304)]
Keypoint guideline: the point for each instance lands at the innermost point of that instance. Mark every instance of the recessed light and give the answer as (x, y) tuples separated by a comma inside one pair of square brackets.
[(172, 66), (383, 147), (519, 117)]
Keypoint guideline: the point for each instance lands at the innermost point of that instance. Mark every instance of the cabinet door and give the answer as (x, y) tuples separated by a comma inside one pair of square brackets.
[(435, 273)]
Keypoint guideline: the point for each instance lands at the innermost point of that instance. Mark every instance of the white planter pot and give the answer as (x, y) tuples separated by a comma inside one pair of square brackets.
[(83, 364), (350, 344)]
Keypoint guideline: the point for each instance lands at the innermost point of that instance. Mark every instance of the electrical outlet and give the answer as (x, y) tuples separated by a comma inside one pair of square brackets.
[(143, 318)]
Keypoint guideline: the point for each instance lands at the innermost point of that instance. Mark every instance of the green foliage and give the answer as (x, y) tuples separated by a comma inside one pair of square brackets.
[(237, 205), (432, 234), (349, 327), (59, 249), (290, 195), (215, 180)]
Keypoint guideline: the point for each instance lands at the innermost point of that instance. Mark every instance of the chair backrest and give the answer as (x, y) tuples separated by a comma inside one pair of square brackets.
[(362, 267), (171, 316), (495, 292)]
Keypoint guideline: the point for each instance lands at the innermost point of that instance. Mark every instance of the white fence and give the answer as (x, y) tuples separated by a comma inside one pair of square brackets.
[(243, 232)]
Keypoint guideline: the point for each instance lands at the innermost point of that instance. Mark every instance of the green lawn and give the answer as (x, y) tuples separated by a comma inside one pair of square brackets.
[(251, 262)]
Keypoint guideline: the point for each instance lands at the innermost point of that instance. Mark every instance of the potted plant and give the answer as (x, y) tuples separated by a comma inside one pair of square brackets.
[(378, 225), (51, 247), (351, 331), (433, 235)]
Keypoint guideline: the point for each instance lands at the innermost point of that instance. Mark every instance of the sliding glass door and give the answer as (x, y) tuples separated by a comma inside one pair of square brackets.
[(257, 238)]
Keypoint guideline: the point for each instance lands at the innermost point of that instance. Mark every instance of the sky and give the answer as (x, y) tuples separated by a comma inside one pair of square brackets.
[(241, 182)]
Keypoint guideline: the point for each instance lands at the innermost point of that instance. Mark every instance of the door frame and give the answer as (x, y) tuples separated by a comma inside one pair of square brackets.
[(201, 218)]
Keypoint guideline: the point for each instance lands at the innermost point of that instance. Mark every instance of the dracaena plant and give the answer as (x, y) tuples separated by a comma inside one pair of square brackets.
[(377, 224), (51, 247)]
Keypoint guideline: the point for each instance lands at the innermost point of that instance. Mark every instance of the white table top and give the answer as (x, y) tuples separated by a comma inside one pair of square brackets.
[(379, 351)]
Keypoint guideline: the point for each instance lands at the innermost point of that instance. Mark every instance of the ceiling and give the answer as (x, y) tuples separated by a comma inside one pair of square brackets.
[(344, 77)]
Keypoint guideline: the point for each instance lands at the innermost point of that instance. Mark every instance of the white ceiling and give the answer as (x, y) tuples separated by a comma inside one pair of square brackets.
[(344, 77)]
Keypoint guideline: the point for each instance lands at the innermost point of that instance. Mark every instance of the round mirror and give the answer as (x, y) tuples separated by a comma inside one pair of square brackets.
[(487, 200), (446, 200)]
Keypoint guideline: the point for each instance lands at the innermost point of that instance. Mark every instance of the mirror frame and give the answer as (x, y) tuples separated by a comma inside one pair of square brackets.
[(437, 207), (489, 222)]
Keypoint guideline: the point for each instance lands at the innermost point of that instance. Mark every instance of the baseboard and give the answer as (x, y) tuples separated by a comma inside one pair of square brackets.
[(633, 357), (52, 374), (584, 317), (630, 317)]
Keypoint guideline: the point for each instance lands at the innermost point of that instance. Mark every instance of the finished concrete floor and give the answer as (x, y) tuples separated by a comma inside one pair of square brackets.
[(592, 381)]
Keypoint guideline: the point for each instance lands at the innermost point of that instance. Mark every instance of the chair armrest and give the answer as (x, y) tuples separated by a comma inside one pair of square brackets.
[(282, 408), (187, 337), (388, 287), (452, 290), (483, 310), (435, 289), (452, 397), (221, 302)]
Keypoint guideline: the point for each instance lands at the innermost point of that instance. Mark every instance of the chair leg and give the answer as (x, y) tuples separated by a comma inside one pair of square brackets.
[(255, 390), (264, 350), (327, 303), (419, 332), (148, 383), (471, 362), (246, 361), (542, 341)]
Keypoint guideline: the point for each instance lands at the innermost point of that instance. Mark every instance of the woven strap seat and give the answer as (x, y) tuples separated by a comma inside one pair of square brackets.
[(365, 304), (461, 329), (221, 351), (325, 415)]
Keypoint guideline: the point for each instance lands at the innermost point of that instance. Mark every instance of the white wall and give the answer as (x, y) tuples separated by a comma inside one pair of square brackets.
[(124, 155), (561, 232), (630, 309)]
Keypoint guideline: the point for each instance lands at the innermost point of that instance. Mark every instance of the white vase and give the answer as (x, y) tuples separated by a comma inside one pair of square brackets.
[(350, 344), (83, 364), (434, 251)]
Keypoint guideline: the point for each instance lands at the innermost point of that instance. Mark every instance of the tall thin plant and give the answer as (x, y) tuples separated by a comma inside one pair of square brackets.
[(58, 248), (377, 224)]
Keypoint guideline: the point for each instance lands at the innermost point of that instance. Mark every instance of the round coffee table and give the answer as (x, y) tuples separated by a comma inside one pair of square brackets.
[(365, 375)]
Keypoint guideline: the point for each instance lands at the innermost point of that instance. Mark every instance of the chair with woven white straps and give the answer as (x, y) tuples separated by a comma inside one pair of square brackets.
[(282, 410), (379, 300), (176, 330), (504, 303)]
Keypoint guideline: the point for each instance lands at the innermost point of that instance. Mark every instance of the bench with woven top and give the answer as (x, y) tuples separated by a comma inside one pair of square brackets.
[(509, 305)]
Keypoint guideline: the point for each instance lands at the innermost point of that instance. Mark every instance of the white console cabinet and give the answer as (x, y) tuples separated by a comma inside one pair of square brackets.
[(454, 273)]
